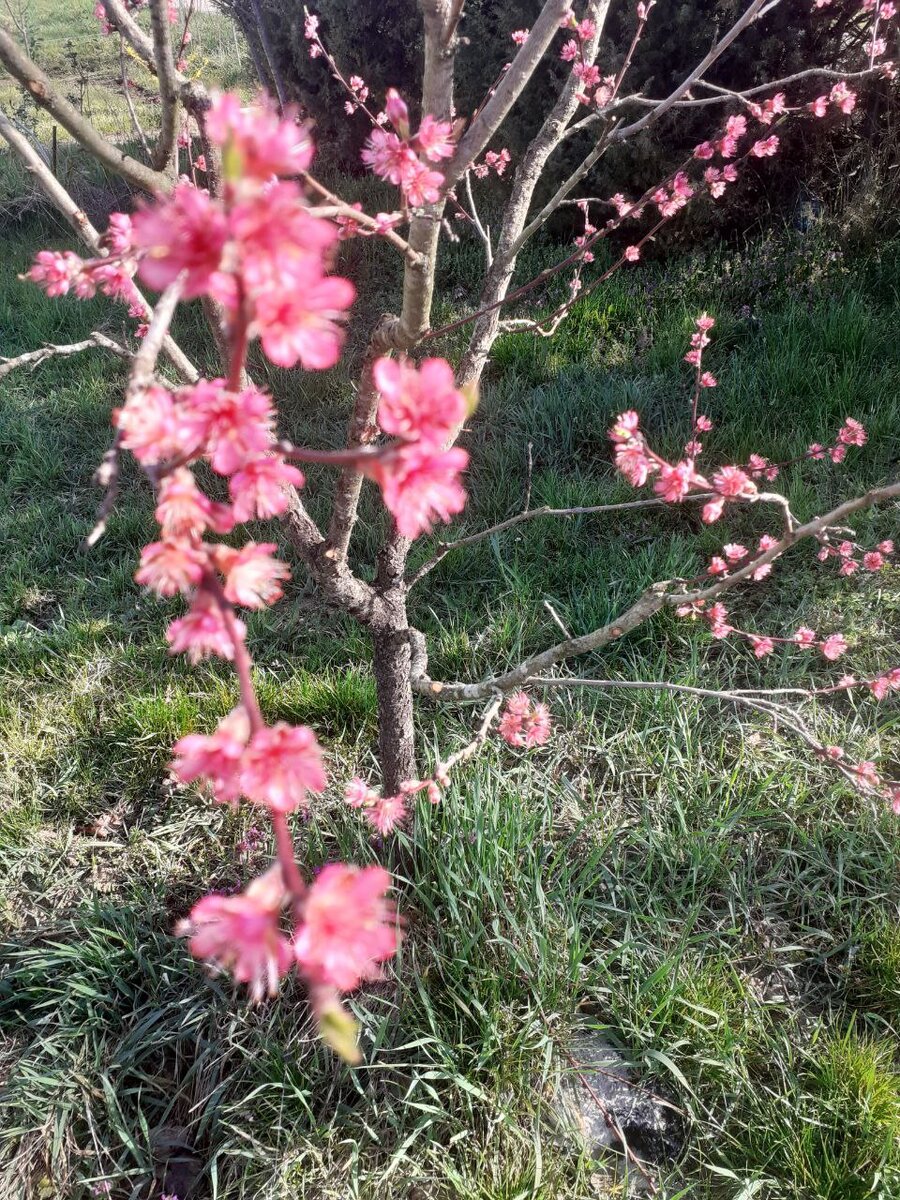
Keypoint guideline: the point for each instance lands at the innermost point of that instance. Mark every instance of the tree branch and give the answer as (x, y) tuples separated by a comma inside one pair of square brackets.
[(168, 88), (511, 86), (529, 514), (652, 601), (42, 90), (34, 358), (78, 220)]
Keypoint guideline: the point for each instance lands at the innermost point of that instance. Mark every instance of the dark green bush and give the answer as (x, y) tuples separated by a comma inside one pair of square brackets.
[(834, 159)]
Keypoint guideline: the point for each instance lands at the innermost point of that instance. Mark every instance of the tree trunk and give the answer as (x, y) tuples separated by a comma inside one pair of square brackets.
[(393, 687)]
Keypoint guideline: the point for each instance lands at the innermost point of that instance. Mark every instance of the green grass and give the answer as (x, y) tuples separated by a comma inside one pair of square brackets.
[(681, 878)]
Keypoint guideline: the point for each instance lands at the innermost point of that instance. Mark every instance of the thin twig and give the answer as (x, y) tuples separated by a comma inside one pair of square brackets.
[(33, 358), (528, 514)]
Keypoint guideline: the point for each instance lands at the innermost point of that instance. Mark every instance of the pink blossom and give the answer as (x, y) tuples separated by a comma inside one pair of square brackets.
[(435, 139), (258, 488), (837, 454), (386, 812), (150, 427), (358, 793), (632, 253), (819, 106), (301, 323), (420, 484), (520, 36), (734, 552), (397, 112), (625, 426), (232, 427), (241, 934), (589, 74), (419, 185), (704, 151), (873, 560), (767, 542), (252, 576), (259, 142), (281, 764), (765, 147), (186, 231), (867, 773), (816, 450), (849, 566), (805, 637), (675, 482), (633, 464), (760, 467), (852, 433), (386, 155), (216, 757), (834, 646), (886, 547), (171, 567), (586, 29), (203, 631), (418, 403), (55, 271), (717, 566), (717, 615), (117, 239), (843, 97), (349, 926), (762, 646), (712, 510), (733, 482), (183, 509), (708, 380), (537, 725), (703, 423), (569, 51), (887, 11)]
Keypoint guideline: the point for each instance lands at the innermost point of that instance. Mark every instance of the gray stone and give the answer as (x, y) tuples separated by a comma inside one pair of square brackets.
[(598, 1103)]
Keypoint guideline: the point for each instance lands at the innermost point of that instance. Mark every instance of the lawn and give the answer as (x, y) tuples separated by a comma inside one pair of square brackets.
[(684, 880)]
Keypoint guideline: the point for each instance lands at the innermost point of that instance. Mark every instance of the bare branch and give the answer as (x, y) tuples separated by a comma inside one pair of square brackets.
[(781, 714), (746, 19), (34, 358), (61, 199), (43, 91), (528, 514), (168, 87), (126, 88), (507, 92), (654, 599), (266, 43)]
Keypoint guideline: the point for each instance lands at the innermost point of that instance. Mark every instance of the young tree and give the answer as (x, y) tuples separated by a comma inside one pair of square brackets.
[(255, 244)]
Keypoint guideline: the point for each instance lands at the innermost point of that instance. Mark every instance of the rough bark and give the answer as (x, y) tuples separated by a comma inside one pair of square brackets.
[(392, 659)]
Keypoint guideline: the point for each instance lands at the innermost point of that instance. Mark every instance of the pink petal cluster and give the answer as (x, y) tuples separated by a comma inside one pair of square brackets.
[(349, 927), (242, 934), (418, 403), (523, 723), (402, 159)]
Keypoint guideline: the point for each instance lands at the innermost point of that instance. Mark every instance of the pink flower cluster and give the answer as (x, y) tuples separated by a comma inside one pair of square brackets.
[(402, 158), (846, 553), (840, 97), (344, 932), (675, 481), (523, 723), (61, 272), (258, 251), (495, 160), (422, 407)]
